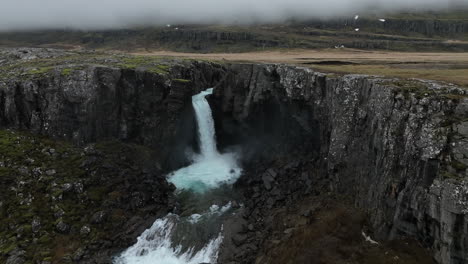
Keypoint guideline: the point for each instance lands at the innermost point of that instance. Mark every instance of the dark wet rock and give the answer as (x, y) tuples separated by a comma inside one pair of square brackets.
[(50, 172), (98, 217), (16, 257), (267, 181), (67, 187), (62, 227), (78, 187), (36, 224), (85, 230), (344, 134), (59, 213), (23, 170), (239, 239), (78, 255)]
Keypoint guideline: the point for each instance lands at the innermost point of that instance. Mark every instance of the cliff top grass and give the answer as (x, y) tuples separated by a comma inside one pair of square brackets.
[(458, 76), (445, 67), (12, 67)]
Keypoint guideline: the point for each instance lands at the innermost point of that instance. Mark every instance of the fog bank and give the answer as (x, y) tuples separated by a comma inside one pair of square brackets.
[(107, 14)]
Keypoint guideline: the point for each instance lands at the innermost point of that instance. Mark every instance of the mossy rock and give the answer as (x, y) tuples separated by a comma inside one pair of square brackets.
[(458, 165), (72, 194)]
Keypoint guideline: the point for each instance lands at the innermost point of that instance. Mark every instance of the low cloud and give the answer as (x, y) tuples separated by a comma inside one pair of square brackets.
[(106, 14)]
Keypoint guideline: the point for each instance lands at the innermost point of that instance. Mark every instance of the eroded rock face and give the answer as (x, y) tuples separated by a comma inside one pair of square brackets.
[(97, 103), (398, 149)]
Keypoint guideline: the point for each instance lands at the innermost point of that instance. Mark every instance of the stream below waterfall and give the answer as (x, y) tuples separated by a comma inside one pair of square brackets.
[(203, 191)]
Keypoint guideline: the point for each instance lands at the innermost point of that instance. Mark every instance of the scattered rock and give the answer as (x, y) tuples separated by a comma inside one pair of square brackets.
[(23, 170), (62, 227), (98, 217), (59, 213), (78, 187), (66, 187), (36, 224), (16, 257), (267, 181), (50, 172), (78, 255), (239, 239), (85, 230)]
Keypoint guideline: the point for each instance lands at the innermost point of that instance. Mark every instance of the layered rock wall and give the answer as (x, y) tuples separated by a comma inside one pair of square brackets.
[(397, 148), (99, 103)]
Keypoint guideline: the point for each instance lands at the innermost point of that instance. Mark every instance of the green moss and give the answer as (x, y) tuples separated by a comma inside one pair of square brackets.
[(449, 175), (149, 63), (45, 239), (40, 70), (97, 193), (134, 62), (66, 71), (137, 61), (164, 67), (455, 96), (57, 193), (7, 248), (458, 165), (410, 87), (27, 228), (160, 69), (181, 80)]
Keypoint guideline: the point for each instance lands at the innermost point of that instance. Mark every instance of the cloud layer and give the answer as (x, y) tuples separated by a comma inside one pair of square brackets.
[(105, 14)]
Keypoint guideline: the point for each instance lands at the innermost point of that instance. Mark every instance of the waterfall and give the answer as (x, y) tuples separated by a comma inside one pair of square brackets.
[(210, 169), (195, 238), (206, 130)]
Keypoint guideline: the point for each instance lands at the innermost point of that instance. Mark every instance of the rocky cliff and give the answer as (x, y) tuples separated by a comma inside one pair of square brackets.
[(86, 202), (91, 102), (395, 148)]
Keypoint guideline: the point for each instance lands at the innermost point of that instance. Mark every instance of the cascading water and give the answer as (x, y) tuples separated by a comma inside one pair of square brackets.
[(210, 168), (195, 236)]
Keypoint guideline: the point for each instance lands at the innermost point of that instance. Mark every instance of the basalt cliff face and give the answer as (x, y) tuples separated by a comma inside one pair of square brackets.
[(99, 102), (397, 149), (85, 202)]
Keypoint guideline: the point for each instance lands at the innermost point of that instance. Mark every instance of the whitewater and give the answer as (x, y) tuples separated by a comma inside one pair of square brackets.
[(209, 170)]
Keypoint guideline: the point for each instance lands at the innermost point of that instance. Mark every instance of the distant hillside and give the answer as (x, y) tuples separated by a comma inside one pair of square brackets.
[(401, 32)]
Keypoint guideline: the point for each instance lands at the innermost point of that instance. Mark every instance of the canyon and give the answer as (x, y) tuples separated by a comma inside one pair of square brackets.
[(395, 150)]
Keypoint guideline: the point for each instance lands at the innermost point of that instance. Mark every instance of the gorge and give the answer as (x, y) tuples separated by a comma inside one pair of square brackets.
[(395, 149), (209, 170)]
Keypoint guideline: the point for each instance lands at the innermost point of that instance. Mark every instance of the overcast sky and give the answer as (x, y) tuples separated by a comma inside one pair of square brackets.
[(104, 14)]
